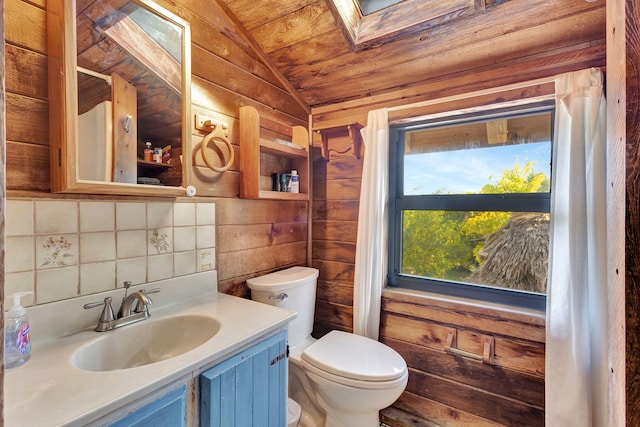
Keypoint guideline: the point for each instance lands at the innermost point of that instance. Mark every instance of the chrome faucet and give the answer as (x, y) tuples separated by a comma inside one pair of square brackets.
[(128, 313), (141, 300)]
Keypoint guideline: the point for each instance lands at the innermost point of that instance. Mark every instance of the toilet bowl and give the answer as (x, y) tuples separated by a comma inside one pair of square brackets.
[(341, 379), (294, 412)]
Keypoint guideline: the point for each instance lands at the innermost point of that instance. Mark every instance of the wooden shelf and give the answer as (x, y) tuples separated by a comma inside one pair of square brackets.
[(146, 164), (352, 130), (253, 144)]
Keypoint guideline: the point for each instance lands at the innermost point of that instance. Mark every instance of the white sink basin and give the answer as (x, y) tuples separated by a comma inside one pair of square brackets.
[(146, 342)]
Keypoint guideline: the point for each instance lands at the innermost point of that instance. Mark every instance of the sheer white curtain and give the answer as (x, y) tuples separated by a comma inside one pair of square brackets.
[(576, 342), (371, 246)]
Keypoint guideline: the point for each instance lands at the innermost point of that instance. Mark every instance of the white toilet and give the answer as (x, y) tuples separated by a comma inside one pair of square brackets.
[(341, 379)]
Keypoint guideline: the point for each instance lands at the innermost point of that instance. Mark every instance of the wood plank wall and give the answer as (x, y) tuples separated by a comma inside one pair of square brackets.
[(632, 226), (3, 186), (255, 236), (443, 390)]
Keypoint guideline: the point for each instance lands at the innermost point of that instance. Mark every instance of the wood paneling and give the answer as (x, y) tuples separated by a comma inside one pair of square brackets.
[(632, 227), (254, 237), (305, 43), (443, 390), (510, 43), (3, 187)]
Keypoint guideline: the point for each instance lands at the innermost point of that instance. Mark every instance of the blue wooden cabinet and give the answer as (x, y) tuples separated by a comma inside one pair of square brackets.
[(169, 410), (248, 389)]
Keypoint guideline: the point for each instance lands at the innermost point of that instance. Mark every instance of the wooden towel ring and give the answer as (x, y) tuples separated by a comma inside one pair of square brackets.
[(217, 135)]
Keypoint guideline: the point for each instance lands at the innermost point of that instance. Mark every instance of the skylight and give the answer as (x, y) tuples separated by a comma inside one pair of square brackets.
[(369, 23), (370, 6)]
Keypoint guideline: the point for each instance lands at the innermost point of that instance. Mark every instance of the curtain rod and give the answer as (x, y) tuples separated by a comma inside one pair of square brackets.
[(471, 94), (95, 74)]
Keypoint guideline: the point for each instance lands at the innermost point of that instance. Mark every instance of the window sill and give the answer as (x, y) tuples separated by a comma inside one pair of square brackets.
[(481, 308)]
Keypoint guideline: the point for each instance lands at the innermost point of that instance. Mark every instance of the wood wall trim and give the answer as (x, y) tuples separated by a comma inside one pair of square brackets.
[(3, 187), (624, 109)]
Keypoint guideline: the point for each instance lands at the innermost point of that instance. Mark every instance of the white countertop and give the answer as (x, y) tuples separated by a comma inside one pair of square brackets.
[(49, 391)]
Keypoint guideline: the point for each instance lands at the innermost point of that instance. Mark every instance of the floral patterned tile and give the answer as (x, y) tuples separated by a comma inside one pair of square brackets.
[(160, 241), (56, 251), (206, 259)]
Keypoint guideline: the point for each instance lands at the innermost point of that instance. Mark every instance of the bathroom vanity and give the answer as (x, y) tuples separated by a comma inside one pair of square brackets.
[(67, 381)]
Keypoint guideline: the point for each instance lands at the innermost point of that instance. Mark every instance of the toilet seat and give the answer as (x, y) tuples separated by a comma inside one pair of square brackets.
[(354, 360)]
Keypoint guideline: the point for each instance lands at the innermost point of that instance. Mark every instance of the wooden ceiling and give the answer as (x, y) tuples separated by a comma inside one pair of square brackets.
[(307, 43)]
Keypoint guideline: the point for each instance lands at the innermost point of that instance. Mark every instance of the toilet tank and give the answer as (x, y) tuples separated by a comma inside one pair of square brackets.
[(294, 289)]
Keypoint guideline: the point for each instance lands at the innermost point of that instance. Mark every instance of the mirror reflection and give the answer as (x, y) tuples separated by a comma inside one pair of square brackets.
[(130, 77)]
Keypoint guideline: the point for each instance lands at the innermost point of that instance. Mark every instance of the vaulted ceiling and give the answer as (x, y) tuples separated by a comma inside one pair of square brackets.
[(308, 43)]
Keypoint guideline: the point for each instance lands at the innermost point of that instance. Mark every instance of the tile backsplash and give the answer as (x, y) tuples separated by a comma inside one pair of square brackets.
[(62, 249)]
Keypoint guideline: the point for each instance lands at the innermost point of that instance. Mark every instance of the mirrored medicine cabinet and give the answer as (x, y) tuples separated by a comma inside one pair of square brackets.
[(119, 78)]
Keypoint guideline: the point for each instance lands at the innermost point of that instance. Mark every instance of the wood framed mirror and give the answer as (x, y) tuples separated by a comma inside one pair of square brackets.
[(119, 78)]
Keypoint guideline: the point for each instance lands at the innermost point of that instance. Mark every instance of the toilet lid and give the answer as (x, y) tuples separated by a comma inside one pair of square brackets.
[(282, 279), (355, 357)]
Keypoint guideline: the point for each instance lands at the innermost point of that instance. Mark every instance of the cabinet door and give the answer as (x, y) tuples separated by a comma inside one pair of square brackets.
[(249, 389), (169, 410)]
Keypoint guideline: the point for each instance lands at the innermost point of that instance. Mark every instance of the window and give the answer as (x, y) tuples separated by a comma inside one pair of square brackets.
[(469, 205)]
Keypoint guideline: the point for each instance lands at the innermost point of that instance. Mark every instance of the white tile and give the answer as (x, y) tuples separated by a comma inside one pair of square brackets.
[(18, 254), (159, 267), (206, 259), (184, 214), (206, 236), (159, 241), (97, 216), (56, 217), (205, 213), (97, 277), (184, 239), (131, 216), (19, 218), (18, 282), (131, 269), (95, 247), (159, 215), (184, 263), (56, 284), (56, 251), (131, 243)]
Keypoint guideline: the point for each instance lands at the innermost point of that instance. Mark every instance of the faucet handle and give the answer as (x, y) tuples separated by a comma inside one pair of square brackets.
[(107, 314), (150, 291)]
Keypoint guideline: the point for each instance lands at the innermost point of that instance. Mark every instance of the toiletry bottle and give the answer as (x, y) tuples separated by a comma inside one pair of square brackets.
[(157, 155), (148, 152), (17, 342), (295, 181)]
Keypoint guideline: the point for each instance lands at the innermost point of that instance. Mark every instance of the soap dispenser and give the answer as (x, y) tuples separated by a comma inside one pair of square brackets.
[(17, 342)]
